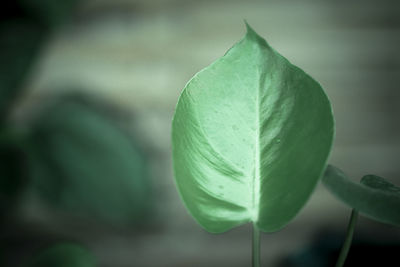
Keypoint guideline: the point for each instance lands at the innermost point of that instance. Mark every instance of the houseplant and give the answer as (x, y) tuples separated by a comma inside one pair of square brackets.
[(251, 136)]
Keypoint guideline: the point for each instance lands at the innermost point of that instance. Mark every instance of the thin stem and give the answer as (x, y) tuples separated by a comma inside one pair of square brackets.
[(349, 238), (256, 246)]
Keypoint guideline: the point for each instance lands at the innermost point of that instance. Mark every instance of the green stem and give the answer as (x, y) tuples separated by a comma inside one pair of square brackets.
[(256, 246), (349, 238)]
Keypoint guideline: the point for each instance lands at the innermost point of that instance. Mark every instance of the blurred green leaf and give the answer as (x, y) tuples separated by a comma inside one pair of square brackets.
[(251, 135), (374, 196), (12, 176), (24, 25), (19, 45), (49, 12), (64, 255), (379, 183), (82, 163)]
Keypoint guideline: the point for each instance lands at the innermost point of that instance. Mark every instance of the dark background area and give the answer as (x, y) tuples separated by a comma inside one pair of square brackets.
[(87, 94)]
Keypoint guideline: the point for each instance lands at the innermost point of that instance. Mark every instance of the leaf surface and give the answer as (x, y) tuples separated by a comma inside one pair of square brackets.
[(19, 46), (82, 163), (12, 177), (374, 197), (251, 135)]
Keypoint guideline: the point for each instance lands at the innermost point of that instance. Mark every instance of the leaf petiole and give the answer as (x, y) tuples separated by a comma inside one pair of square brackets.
[(256, 246), (349, 237)]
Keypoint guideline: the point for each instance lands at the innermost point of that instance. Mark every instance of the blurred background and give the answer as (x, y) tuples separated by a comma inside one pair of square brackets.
[(87, 94)]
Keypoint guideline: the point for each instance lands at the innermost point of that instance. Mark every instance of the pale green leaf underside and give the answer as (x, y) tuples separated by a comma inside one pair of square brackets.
[(251, 135), (373, 197)]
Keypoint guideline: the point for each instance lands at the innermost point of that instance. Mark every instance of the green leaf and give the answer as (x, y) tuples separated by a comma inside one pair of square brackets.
[(24, 26), (20, 41), (64, 255), (12, 176), (48, 12), (250, 136), (82, 163), (374, 197)]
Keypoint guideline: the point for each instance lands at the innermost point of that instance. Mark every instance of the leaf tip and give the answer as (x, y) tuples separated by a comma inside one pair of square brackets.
[(249, 29), (253, 35)]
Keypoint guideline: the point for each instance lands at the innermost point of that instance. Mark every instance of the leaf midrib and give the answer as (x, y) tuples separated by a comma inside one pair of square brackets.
[(257, 176)]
